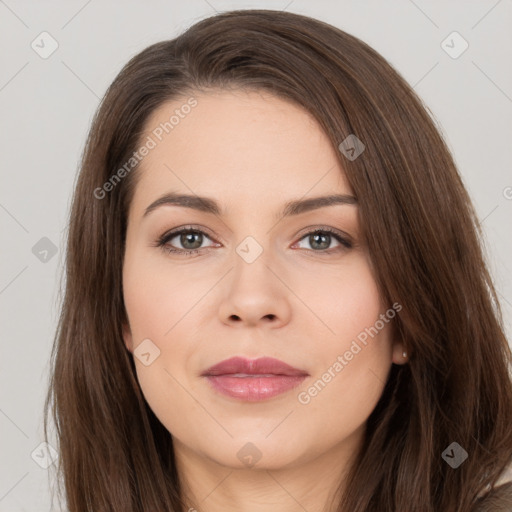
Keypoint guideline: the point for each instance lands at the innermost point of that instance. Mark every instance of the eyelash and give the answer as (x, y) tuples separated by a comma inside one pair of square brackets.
[(166, 237)]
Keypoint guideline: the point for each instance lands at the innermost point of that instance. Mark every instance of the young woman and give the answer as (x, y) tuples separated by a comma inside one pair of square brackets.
[(276, 297)]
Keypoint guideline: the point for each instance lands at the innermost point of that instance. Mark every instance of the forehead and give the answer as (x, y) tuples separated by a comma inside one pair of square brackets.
[(246, 148)]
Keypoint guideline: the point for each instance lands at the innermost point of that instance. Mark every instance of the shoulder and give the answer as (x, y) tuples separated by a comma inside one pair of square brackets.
[(506, 476), (498, 498)]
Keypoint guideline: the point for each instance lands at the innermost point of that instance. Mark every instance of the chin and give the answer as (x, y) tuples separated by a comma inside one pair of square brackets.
[(258, 453)]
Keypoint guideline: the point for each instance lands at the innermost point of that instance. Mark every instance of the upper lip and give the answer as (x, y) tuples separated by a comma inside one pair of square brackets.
[(262, 365)]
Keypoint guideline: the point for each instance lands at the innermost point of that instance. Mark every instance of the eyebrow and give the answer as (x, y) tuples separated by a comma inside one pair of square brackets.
[(208, 205)]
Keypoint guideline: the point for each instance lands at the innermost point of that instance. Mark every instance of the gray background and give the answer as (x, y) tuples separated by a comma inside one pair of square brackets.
[(47, 105)]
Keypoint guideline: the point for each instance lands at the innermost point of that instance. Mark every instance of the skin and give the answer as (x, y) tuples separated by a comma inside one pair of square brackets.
[(252, 152)]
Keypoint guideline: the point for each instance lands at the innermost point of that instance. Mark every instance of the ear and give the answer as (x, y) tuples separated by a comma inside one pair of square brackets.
[(127, 337), (400, 355)]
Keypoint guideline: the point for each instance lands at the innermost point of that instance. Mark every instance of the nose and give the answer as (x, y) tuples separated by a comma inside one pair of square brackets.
[(255, 294)]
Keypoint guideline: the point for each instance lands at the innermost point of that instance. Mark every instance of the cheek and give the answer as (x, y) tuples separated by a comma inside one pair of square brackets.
[(159, 301), (158, 296), (155, 305), (330, 308), (347, 301), (352, 364)]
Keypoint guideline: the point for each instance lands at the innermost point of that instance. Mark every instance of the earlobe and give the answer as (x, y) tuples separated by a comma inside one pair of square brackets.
[(127, 337), (400, 355)]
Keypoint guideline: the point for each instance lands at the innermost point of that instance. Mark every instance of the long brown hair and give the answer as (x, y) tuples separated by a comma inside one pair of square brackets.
[(424, 242)]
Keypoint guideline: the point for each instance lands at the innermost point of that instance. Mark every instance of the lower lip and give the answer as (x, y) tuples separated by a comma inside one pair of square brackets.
[(254, 389)]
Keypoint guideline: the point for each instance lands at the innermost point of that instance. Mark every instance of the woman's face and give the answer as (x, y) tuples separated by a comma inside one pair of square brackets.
[(261, 284)]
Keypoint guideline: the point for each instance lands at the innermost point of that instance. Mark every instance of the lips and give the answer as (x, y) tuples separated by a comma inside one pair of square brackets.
[(261, 366), (253, 379)]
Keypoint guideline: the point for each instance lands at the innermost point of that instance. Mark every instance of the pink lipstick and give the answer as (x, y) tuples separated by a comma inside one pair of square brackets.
[(253, 380)]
